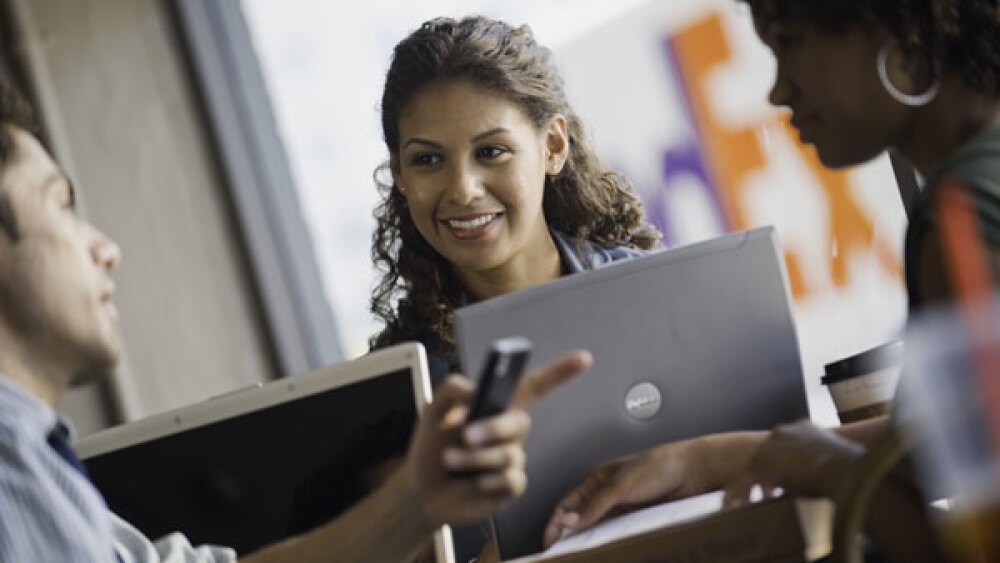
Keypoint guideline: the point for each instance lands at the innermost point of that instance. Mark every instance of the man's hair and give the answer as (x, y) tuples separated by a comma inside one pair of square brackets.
[(14, 112), (958, 35)]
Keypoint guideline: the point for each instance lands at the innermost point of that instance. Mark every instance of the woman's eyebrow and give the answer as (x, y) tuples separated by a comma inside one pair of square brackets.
[(490, 133), (419, 141), (478, 137)]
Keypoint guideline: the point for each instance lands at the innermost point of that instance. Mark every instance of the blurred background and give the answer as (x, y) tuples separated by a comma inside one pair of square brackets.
[(228, 146), (674, 93)]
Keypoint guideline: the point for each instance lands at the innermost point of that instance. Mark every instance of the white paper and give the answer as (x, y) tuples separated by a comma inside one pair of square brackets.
[(647, 519)]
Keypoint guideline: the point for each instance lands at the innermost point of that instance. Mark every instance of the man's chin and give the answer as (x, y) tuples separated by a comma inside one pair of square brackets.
[(89, 377), (99, 367)]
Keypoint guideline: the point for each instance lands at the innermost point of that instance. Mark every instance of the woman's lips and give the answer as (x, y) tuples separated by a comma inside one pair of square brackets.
[(469, 227)]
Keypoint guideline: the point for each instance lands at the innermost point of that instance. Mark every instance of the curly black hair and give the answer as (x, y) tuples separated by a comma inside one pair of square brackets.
[(958, 35), (418, 292), (14, 112)]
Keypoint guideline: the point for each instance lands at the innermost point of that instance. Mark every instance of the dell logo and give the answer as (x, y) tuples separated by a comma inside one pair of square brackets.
[(643, 401)]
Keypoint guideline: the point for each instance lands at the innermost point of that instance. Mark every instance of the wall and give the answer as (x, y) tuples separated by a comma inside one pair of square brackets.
[(121, 114)]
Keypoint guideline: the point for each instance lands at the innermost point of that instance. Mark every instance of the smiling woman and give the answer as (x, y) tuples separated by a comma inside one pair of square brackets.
[(492, 185), (472, 170)]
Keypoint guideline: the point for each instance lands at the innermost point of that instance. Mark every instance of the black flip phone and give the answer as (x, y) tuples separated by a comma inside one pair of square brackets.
[(505, 363)]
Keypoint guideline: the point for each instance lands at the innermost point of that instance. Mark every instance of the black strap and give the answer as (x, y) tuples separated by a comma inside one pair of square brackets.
[(59, 440), (906, 181)]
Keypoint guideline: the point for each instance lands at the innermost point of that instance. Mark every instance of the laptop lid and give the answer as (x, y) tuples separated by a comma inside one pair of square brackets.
[(690, 341), (255, 466)]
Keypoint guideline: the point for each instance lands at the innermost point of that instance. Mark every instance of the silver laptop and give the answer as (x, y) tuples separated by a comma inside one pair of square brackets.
[(690, 341), (256, 466)]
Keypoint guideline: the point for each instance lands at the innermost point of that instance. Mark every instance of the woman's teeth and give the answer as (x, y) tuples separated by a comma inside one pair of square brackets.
[(472, 223)]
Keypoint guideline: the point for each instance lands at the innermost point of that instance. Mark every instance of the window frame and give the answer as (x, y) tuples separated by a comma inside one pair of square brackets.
[(253, 157)]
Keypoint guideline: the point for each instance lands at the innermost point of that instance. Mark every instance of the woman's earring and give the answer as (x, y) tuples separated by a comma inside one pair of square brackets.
[(914, 101)]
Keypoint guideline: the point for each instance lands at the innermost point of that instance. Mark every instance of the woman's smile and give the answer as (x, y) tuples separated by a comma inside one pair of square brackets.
[(472, 226)]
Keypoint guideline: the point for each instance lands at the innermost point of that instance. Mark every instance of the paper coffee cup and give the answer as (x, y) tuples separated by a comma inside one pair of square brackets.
[(863, 386)]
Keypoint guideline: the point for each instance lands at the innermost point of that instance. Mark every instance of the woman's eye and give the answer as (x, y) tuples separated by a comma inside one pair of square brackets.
[(425, 159), (491, 152)]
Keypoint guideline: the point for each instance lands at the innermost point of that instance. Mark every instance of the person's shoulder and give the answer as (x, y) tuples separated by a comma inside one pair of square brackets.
[(439, 368), (21, 412), (581, 254), (625, 252), (606, 254), (977, 165), (15, 455), (17, 430), (976, 168), (981, 180)]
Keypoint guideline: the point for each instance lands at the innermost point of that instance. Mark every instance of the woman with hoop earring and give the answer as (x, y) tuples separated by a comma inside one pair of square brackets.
[(920, 78)]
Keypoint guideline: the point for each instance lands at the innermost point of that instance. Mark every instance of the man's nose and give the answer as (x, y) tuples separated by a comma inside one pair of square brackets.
[(106, 252)]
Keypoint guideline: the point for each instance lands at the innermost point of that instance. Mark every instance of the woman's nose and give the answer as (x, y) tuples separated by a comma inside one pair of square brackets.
[(466, 186)]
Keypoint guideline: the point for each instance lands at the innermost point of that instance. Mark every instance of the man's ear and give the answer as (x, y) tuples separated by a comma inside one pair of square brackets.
[(556, 144)]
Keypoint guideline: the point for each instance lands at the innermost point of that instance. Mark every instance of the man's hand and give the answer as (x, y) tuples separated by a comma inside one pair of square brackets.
[(800, 459), (462, 475)]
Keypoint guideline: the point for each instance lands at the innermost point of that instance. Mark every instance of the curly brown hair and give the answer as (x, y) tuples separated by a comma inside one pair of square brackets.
[(958, 35), (418, 293)]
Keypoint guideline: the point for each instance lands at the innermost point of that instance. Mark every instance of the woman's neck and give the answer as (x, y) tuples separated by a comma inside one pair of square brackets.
[(958, 114), (531, 267)]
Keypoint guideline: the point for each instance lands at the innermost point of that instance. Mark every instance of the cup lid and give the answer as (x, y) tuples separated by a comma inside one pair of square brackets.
[(874, 359)]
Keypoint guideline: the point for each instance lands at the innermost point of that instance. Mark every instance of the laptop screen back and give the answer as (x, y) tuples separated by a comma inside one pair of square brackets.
[(694, 340), (254, 478)]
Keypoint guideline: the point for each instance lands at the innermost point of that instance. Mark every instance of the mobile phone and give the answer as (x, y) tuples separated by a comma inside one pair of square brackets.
[(505, 363)]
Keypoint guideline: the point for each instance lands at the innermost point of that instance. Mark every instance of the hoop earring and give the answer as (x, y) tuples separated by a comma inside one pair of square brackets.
[(911, 100)]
